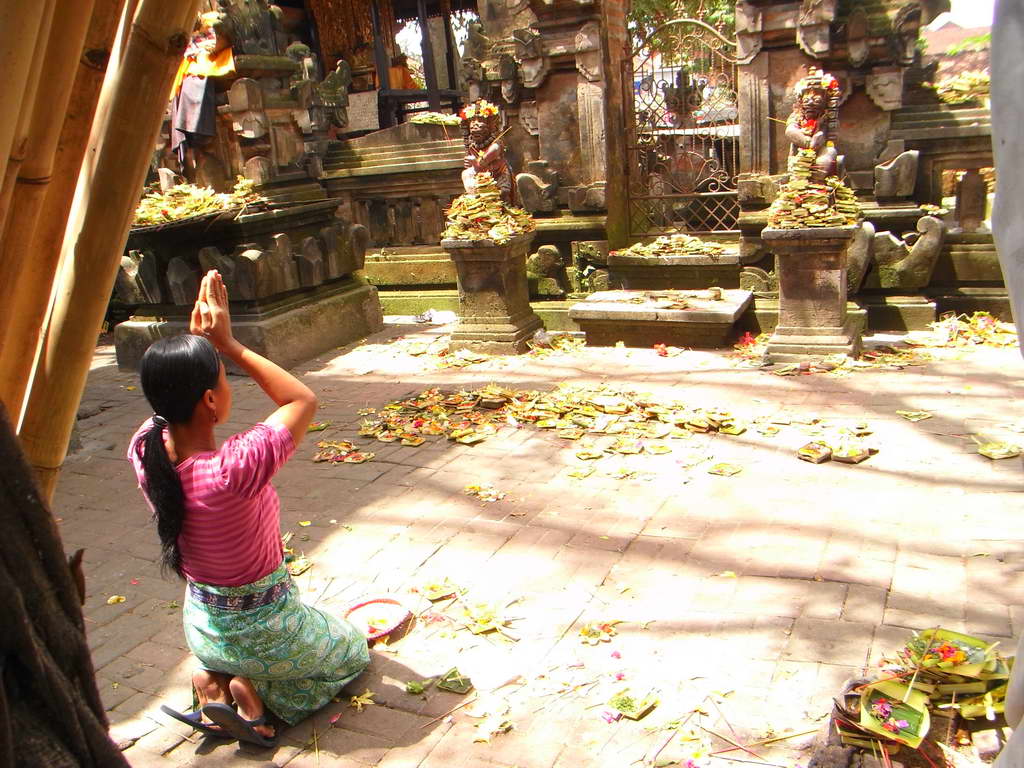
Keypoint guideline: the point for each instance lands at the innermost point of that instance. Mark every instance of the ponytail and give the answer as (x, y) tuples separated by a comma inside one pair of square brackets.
[(164, 491), (175, 373)]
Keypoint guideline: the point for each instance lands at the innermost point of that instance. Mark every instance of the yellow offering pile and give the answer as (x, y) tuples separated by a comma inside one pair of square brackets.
[(675, 245), (965, 87), (184, 201), (805, 202), (485, 216), (435, 118)]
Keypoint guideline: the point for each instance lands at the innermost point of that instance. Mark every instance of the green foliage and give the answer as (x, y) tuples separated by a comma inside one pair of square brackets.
[(647, 15), (973, 44)]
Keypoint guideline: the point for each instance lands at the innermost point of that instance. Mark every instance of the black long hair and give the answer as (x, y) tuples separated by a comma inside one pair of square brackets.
[(175, 373)]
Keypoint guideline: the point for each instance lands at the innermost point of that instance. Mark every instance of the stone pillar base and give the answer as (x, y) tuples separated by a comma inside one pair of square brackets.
[(811, 264), (795, 344), (485, 335), (495, 317)]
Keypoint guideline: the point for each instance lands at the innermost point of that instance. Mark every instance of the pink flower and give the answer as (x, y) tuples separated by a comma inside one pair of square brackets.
[(616, 655), (610, 717), (620, 676)]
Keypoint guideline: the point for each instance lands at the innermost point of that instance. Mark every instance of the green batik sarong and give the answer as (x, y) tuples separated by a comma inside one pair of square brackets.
[(296, 656)]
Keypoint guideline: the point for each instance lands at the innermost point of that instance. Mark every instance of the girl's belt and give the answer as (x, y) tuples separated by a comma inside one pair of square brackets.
[(239, 602)]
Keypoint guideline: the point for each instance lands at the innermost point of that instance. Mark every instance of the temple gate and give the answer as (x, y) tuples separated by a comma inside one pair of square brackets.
[(682, 131)]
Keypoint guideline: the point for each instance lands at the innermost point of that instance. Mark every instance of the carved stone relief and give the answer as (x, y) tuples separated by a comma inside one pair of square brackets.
[(529, 50), (813, 32), (528, 117), (588, 51), (857, 44), (748, 31), (907, 263), (884, 87)]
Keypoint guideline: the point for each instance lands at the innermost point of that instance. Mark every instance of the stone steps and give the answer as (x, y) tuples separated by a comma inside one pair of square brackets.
[(929, 122), (391, 153), (395, 167), (395, 151)]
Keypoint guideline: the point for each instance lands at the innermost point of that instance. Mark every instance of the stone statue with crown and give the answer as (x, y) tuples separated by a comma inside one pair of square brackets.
[(484, 150)]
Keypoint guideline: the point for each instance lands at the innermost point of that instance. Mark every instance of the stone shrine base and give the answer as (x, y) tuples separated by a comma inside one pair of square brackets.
[(790, 344), (495, 316), (609, 317), (811, 264), (293, 330)]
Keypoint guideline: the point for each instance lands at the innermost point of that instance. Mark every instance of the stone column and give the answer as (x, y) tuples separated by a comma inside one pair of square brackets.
[(811, 265), (495, 316)]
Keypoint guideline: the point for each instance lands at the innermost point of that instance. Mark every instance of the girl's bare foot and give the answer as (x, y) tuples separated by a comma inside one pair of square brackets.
[(211, 686), (250, 706)]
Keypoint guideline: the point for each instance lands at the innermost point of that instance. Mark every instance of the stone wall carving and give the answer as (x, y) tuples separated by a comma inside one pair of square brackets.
[(528, 117), (897, 177), (537, 187), (748, 31), (529, 51), (884, 87), (813, 31), (907, 263), (252, 271), (588, 51)]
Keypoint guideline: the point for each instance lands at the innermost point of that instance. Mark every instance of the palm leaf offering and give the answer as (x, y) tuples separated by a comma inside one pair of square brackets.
[(340, 451), (440, 590), (184, 201), (674, 245), (454, 681), (484, 216), (805, 202), (996, 450), (976, 329), (632, 706), (941, 653), (481, 617), (435, 118), (895, 712), (964, 87)]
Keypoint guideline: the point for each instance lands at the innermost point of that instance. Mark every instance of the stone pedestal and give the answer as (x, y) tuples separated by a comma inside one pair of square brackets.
[(495, 316), (811, 264)]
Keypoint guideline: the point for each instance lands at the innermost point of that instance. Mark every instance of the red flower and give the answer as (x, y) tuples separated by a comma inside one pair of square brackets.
[(661, 349)]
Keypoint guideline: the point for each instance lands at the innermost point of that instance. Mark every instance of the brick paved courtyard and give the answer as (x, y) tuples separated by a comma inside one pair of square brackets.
[(744, 600)]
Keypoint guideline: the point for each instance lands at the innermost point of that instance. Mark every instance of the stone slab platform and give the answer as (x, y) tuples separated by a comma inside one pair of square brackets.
[(644, 318)]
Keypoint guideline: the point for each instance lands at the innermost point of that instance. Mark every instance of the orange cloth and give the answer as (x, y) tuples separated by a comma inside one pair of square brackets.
[(221, 64), (401, 78)]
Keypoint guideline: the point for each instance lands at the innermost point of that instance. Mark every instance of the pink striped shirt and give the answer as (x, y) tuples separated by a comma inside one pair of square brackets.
[(232, 532)]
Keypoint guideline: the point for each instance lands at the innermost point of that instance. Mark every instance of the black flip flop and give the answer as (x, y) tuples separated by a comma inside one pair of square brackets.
[(236, 725), (195, 720)]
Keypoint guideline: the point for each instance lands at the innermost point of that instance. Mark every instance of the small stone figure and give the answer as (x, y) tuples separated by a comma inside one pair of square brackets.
[(814, 121), (484, 150), (477, 43), (333, 93), (305, 60)]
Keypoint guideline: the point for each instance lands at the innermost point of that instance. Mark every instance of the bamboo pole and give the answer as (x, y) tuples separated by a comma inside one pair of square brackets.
[(27, 270), (19, 28), (19, 146), (93, 243)]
